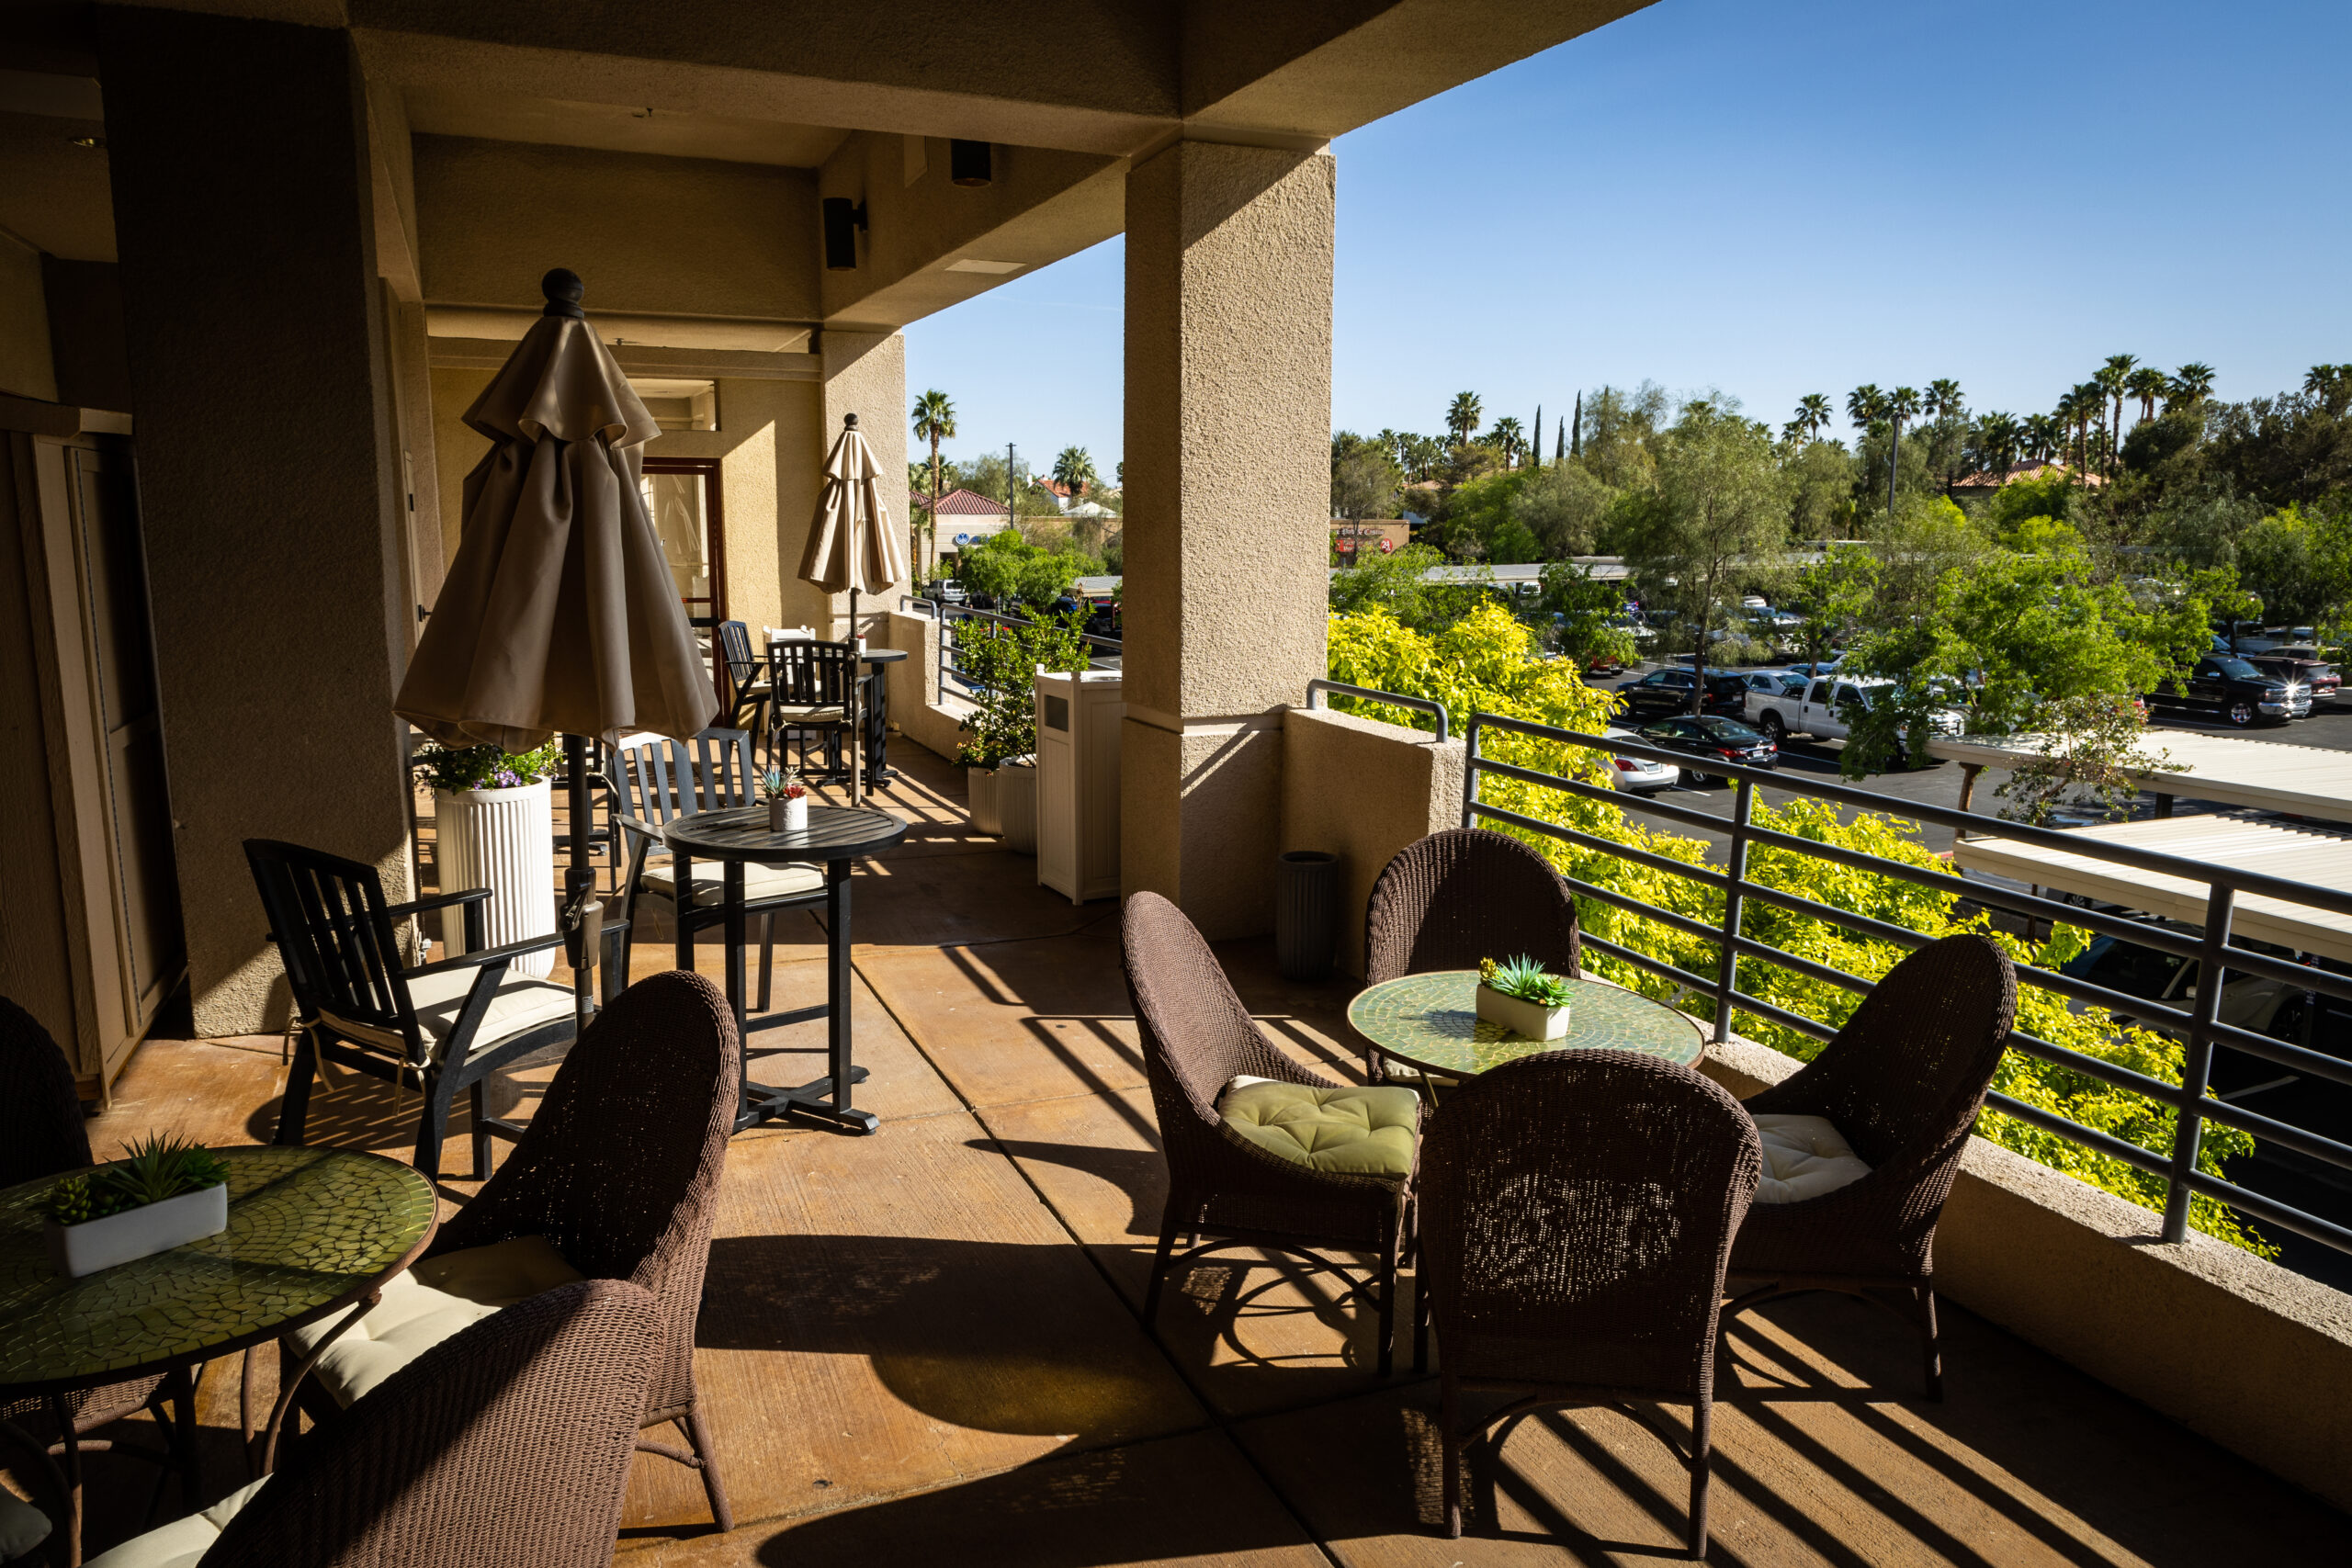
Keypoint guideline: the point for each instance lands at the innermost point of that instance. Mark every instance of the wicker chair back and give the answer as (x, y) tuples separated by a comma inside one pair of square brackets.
[(506, 1446), (1452, 899), (41, 1117), (1578, 1210)]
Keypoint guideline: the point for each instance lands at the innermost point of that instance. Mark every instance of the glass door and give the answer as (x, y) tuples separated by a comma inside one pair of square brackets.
[(682, 497)]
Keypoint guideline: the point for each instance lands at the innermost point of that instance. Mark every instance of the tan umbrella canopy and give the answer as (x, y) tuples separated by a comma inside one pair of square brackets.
[(851, 546), (558, 614)]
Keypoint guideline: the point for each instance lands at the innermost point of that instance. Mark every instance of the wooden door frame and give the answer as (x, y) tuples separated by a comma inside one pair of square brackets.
[(714, 521)]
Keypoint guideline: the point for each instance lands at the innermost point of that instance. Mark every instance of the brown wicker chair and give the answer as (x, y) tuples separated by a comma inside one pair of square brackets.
[(1450, 899), (1576, 1212), (506, 1446), (41, 1133), (1197, 1037), (1903, 1082), (619, 1171)]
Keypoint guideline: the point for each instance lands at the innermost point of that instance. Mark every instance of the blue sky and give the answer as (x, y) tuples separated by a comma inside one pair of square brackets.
[(1782, 199)]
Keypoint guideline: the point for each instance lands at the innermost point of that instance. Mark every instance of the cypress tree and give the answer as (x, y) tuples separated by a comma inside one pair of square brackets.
[(1535, 439), (1576, 441)]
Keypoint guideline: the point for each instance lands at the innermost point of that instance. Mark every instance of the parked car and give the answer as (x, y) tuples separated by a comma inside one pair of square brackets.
[(2317, 674), (1769, 683), (2230, 688), (1639, 775), (1819, 709), (1669, 691), (1717, 740), (2254, 1002)]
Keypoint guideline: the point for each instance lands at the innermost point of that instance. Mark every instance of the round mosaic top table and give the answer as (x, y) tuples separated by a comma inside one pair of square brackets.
[(310, 1231), (1431, 1021)]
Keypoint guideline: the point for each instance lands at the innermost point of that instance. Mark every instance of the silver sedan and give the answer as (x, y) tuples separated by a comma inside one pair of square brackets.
[(1637, 775)]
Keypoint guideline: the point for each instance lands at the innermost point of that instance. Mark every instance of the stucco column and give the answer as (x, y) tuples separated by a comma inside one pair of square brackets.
[(268, 467), (866, 373), (1229, 433)]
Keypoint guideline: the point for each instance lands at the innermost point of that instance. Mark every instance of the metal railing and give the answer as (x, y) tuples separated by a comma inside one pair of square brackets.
[(1318, 686), (2214, 953), (1104, 653)]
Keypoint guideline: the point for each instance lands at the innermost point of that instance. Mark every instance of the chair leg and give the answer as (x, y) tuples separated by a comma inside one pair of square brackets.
[(294, 1109), (698, 1438), (478, 1102), (434, 1125), (1387, 1326), (1701, 1409), (1931, 1351), (1448, 1421), (1159, 1266), (768, 956)]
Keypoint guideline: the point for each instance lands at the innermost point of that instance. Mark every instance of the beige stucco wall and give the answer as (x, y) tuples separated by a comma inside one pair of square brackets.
[(1363, 789), (684, 236), (25, 369), (866, 373), (2254, 1356)]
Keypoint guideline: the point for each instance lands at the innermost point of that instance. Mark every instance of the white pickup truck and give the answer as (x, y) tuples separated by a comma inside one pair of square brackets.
[(1817, 709)]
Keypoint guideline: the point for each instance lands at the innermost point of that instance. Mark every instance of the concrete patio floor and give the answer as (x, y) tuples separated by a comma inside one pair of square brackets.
[(925, 1346)]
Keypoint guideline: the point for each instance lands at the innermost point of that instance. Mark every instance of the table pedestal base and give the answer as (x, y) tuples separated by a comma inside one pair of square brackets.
[(762, 1102)]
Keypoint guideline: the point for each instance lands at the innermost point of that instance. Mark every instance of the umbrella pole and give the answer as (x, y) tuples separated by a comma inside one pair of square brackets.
[(583, 917)]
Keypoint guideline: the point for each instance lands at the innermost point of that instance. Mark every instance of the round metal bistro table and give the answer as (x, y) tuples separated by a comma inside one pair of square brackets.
[(836, 835), (310, 1232), (877, 715), (1431, 1023)]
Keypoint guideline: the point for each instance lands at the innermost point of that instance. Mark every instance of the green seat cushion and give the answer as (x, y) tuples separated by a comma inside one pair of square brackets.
[(1356, 1132)]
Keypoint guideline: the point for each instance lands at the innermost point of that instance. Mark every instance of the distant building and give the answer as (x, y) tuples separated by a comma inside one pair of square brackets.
[(1350, 539), (1975, 486), (966, 517)]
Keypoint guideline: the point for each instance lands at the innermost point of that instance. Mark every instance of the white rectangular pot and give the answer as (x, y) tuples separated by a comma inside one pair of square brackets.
[(1017, 804), (1525, 1019), (76, 1250)]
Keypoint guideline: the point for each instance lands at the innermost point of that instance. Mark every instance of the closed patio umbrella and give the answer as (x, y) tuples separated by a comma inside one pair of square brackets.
[(851, 546), (558, 614)]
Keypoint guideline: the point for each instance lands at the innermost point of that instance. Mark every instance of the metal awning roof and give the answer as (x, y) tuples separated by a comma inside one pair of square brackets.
[(2314, 856), (2306, 781)]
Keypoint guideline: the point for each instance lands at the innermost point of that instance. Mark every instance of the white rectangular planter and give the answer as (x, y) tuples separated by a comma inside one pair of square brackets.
[(76, 1250), (1523, 1018)]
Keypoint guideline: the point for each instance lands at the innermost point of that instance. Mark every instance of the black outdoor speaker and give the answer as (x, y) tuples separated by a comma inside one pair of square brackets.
[(844, 219), (969, 163)]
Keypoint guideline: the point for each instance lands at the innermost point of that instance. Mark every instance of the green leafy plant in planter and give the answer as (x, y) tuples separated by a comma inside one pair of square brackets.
[(460, 768), (1002, 726), (1525, 978), (148, 1173)]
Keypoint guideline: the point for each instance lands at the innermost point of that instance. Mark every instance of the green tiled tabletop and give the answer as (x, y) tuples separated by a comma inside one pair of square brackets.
[(1431, 1021), (309, 1230)]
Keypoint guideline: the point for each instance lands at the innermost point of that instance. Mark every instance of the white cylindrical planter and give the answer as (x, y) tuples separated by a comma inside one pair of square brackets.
[(1017, 804), (502, 840)]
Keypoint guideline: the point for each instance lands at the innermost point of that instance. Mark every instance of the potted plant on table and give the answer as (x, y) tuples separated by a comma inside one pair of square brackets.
[(164, 1193), (1520, 996), (787, 800), (493, 822)]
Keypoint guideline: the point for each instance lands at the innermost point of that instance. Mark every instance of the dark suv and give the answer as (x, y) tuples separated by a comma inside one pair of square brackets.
[(1668, 691), (2322, 678), (2227, 687)]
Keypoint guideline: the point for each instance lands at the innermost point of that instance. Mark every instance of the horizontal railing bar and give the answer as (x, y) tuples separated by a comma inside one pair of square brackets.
[(1318, 686), (2075, 1132), (2314, 1145), (1670, 810), (1634, 907), (1699, 874), (2097, 1067), (2140, 933), (2269, 1211), (1703, 984), (2140, 1008), (1748, 947), (2302, 977), (2286, 1054), (1775, 1014), (1813, 908), (2052, 839)]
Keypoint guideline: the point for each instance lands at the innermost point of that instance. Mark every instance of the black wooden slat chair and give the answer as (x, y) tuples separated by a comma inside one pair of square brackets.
[(747, 683), (655, 780), (816, 693), (449, 1025)]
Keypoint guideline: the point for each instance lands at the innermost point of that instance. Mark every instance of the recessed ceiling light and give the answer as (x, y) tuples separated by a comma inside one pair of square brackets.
[(993, 268)]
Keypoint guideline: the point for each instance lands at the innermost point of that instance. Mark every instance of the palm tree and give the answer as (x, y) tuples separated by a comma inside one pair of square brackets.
[(2082, 404), (2111, 379), (2190, 384), (1814, 413), (2332, 385), (2147, 384), (1866, 405), (1508, 436), (1996, 439), (934, 419), (1074, 470), (1943, 400), (1463, 415), (1900, 404), (2040, 437)]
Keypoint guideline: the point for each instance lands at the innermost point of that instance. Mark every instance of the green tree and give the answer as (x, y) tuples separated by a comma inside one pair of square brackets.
[(1365, 479), (2300, 566), (1397, 586), (2113, 380), (934, 419), (2148, 383), (1461, 415), (1581, 612), (1074, 470), (1565, 508), (1837, 596), (2191, 384), (1812, 414), (1821, 503), (1720, 508), (1510, 438)]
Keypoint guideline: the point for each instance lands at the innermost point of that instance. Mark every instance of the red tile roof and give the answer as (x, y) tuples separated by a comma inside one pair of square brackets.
[(964, 503)]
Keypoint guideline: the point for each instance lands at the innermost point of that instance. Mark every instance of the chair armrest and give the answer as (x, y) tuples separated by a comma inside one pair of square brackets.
[(637, 825), (438, 901), (500, 954)]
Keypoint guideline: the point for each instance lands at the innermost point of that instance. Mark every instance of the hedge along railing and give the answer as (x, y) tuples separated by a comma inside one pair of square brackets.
[(2214, 955), (950, 665)]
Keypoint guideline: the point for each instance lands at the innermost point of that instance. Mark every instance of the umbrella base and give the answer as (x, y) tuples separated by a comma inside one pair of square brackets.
[(763, 1103)]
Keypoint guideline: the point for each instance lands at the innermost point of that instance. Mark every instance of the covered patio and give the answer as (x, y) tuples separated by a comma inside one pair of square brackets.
[(928, 1340)]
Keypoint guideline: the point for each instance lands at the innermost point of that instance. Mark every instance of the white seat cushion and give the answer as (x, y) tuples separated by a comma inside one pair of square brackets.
[(810, 713), (439, 1297), (520, 1003), (22, 1527), (182, 1542), (1804, 1157), (759, 881)]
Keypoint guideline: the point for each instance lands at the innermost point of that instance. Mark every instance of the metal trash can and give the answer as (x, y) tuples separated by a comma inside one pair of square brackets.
[(1306, 914)]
